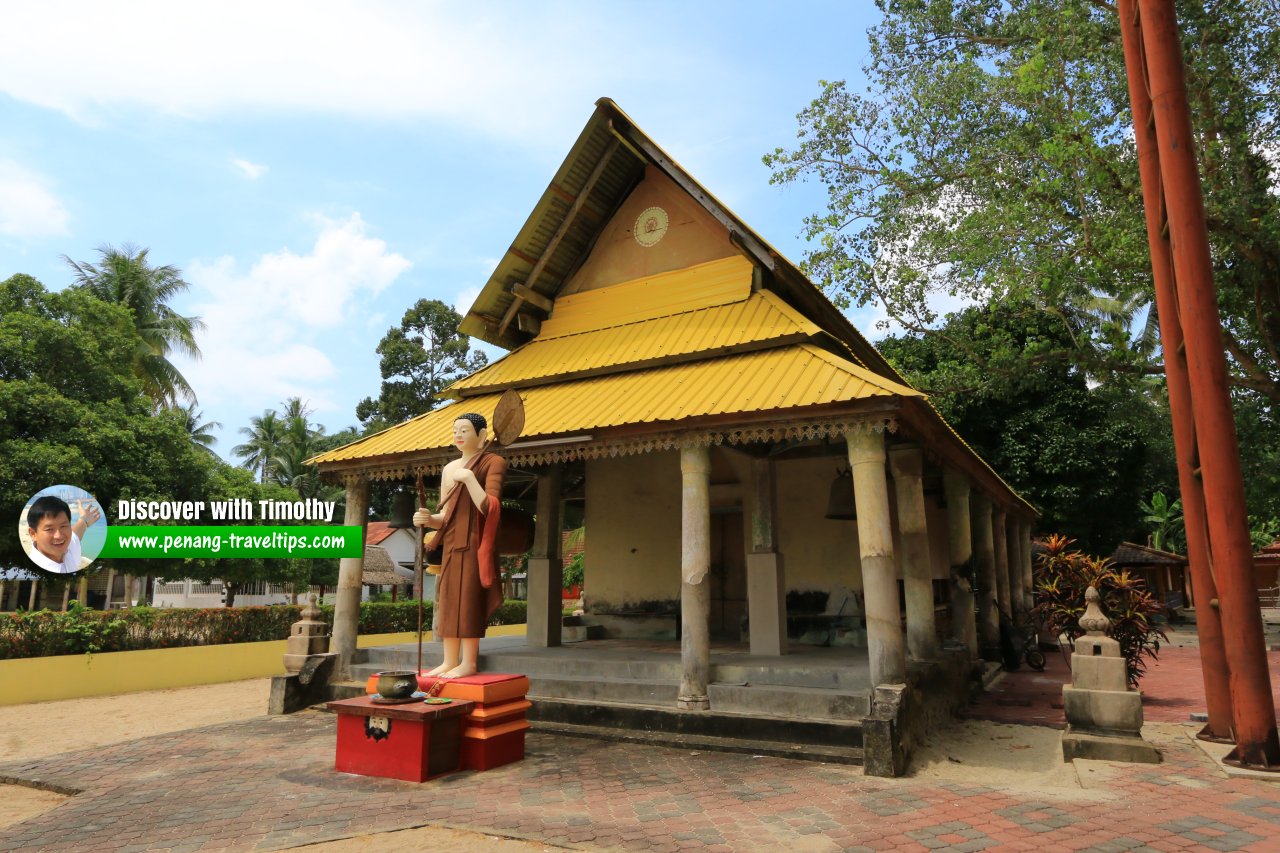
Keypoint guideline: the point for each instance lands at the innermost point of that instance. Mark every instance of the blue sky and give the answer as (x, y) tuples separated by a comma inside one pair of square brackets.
[(317, 167)]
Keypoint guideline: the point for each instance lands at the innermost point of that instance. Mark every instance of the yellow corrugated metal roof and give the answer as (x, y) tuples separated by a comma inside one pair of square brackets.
[(716, 282), (747, 324), (776, 379)]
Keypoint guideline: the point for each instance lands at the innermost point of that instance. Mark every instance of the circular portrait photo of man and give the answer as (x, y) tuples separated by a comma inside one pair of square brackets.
[(62, 529)]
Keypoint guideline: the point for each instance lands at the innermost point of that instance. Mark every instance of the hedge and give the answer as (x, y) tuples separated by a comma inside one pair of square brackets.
[(80, 630)]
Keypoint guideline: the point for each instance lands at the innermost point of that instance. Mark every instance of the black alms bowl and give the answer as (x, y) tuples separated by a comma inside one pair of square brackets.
[(397, 684)]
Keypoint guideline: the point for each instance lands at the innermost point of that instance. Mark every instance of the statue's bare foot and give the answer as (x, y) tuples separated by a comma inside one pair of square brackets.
[(440, 670), (462, 670)]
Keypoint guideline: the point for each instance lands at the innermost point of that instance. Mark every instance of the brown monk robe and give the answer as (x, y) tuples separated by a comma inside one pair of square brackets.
[(468, 590)]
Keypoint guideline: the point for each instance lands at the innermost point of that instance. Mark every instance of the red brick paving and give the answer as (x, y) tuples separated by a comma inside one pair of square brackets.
[(1173, 689), (268, 784)]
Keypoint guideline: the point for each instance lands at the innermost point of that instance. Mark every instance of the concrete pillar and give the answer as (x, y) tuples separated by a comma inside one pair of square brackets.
[(35, 595), (546, 571), (885, 647), (346, 606), (766, 582), (907, 465), (128, 591), (1000, 544), (3, 591), (1017, 593), (695, 586), (66, 593), (111, 582), (964, 630), (985, 556), (82, 591)]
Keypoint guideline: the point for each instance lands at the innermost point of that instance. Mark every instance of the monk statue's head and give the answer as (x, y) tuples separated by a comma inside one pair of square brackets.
[(469, 432)]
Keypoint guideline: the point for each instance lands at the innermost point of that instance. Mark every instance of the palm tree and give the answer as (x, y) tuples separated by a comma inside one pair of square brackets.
[(259, 452), (199, 432), (125, 277)]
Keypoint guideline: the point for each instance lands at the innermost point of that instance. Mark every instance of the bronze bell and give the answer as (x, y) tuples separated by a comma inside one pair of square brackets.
[(402, 509), (840, 505)]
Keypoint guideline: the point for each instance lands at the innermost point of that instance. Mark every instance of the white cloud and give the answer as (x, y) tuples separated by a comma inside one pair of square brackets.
[(465, 298), (480, 68), (252, 171), (275, 329), (28, 208)]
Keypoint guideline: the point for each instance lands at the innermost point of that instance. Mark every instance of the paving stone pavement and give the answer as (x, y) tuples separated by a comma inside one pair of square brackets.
[(268, 783)]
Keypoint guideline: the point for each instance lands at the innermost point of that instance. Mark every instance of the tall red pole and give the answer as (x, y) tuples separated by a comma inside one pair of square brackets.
[(1213, 661), (1231, 552)]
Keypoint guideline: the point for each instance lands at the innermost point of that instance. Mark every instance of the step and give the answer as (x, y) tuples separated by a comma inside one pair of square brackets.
[(842, 677), (805, 702), (668, 720), (708, 743), (595, 688)]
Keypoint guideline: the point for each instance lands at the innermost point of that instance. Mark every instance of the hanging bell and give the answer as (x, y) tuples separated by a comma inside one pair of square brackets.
[(840, 504), (402, 509)]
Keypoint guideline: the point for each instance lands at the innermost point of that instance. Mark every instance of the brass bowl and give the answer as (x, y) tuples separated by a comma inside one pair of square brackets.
[(397, 683)]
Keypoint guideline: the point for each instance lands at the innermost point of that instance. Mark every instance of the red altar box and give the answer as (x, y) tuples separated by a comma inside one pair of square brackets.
[(493, 730), (414, 741)]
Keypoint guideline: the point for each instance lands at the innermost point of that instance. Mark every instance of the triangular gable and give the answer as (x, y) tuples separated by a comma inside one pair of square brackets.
[(609, 160)]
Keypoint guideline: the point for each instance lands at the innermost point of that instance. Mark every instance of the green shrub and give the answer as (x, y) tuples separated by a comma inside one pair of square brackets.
[(80, 630), (1061, 579)]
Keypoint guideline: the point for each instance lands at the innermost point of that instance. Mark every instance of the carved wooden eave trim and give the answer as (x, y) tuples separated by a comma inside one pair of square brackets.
[(881, 419)]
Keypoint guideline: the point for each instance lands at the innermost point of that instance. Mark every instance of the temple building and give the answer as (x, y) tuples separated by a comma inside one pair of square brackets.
[(756, 478)]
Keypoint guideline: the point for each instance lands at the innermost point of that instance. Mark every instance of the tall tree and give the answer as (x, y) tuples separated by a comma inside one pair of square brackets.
[(420, 357), (72, 410), (198, 430), (991, 158), (259, 452), (126, 277)]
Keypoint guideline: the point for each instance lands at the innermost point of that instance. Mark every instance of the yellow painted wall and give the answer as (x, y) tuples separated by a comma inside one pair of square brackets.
[(817, 553), (633, 513), (693, 236), (77, 676)]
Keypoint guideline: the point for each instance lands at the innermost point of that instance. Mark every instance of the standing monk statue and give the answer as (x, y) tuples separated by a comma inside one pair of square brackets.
[(468, 591)]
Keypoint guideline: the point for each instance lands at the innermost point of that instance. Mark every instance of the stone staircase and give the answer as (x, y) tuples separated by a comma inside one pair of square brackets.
[(797, 706)]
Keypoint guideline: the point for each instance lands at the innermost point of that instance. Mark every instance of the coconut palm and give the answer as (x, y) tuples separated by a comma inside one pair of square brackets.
[(199, 432), (259, 452), (126, 277)]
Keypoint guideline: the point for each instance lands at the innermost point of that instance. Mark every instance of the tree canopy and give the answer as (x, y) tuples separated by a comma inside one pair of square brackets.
[(991, 159), (420, 357), (126, 277), (1086, 457), (72, 410)]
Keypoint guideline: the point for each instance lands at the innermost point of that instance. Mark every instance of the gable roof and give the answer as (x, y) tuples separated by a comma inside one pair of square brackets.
[(739, 335), (605, 163)]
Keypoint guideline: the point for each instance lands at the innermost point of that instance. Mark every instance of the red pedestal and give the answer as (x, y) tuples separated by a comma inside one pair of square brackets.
[(414, 742), (493, 730)]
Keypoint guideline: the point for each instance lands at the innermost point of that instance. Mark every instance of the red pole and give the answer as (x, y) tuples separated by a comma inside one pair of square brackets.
[(1231, 552), (1213, 661)]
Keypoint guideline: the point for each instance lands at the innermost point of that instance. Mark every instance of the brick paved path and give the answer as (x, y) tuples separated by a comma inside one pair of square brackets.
[(1172, 689), (268, 784)]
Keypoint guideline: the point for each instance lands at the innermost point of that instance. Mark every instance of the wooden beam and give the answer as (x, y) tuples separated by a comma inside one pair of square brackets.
[(531, 325), (554, 243), (533, 297)]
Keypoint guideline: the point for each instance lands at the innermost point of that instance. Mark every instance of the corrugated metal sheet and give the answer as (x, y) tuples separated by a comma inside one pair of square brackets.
[(769, 380), (700, 286), (747, 324)]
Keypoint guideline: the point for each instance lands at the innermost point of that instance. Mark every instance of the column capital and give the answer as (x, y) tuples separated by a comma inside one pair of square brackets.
[(865, 446), (695, 460)]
